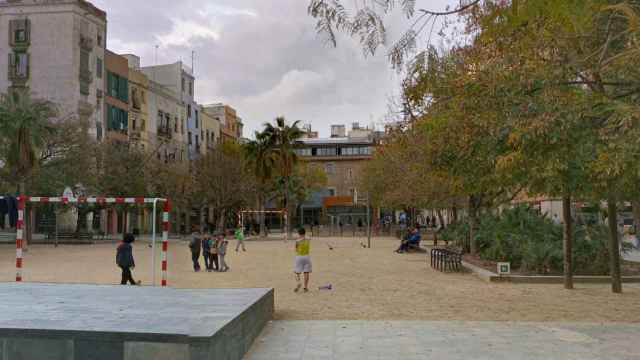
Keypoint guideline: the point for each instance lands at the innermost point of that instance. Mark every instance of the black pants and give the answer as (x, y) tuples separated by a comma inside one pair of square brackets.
[(194, 257), (208, 263), (127, 277), (214, 260)]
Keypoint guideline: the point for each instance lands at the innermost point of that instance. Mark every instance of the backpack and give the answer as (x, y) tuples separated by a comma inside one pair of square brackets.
[(194, 244)]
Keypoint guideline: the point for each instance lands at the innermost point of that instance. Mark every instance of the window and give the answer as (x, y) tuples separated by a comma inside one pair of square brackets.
[(118, 119), (99, 68), (99, 40), (190, 140), (330, 168), (99, 130), (20, 36), (331, 191), (118, 87), (190, 88), (19, 65), (326, 152), (197, 119), (182, 84), (189, 110), (175, 129), (20, 31), (349, 174), (182, 126), (197, 142), (303, 152)]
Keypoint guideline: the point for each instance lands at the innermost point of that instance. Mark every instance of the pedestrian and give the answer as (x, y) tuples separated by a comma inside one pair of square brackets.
[(215, 245), (194, 246), (222, 251), (206, 251), (239, 235), (302, 260), (124, 260)]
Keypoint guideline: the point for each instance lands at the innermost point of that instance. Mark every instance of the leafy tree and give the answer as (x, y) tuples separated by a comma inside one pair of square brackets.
[(224, 181), (25, 125), (281, 140), (262, 160)]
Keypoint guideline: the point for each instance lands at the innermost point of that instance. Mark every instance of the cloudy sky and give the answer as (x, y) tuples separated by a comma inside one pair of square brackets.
[(263, 57)]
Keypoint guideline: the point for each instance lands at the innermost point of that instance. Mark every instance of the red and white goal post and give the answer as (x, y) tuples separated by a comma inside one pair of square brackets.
[(24, 200)]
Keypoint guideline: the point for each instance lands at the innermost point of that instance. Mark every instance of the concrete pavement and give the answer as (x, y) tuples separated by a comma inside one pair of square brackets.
[(377, 340)]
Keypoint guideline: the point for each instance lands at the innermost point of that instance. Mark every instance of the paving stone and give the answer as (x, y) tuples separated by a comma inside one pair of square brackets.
[(458, 340)]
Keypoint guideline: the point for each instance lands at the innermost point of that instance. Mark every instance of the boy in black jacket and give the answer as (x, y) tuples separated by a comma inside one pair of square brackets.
[(124, 259)]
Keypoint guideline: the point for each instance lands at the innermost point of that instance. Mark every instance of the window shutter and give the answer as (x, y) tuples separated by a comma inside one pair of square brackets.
[(12, 65), (27, 31), (123, 91), (109, 84), (12, 32), (28, 67)]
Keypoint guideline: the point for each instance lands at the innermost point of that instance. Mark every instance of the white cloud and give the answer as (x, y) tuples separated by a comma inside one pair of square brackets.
[(185, 31)]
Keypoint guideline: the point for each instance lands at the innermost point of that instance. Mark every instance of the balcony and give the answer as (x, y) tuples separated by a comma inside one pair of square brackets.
[(164, 132)]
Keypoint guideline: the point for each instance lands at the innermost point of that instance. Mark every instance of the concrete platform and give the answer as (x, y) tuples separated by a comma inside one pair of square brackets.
[(90, 322)]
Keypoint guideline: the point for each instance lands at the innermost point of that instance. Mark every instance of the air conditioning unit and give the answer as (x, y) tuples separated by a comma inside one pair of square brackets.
[(504, 268)]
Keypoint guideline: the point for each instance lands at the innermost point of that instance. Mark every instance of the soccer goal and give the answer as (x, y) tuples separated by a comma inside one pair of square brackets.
[(275, 223), (23, 203)]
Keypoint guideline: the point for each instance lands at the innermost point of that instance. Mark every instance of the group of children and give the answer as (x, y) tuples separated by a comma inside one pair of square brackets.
[(213, 248)]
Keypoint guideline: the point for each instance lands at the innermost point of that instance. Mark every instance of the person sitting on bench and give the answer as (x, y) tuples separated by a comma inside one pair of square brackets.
[(412, 241)]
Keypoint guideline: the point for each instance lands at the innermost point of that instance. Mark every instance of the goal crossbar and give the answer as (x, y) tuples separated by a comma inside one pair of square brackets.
[(24, 200)]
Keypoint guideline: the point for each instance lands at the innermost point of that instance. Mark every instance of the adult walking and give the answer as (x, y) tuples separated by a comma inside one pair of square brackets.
[(302, 260), (194, 246), (124, 260)]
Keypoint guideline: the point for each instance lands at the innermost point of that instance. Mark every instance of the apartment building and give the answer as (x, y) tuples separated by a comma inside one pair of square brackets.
[(342, 157), (179, 80), (56, 50), (231, 126)]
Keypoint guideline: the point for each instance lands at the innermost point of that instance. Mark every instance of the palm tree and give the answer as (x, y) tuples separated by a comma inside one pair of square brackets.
[(261, 159), (282, 142), (25, 126)]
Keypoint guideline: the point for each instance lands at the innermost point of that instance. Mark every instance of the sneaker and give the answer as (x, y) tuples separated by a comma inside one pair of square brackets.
[(297, 288), (139, 282), (306, 290)]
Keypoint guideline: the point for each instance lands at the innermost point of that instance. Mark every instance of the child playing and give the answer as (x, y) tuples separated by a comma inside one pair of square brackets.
[(240, 238), (124, 260), (222, 251), (215, 245), (303, 260)]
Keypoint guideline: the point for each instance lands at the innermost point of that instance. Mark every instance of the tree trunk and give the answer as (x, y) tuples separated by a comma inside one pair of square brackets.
[(287, 218), (454, 213), (178, 217), (567, 242), (263, 225), (187, 219), (441, 219), (614, 246), (635, 204), (473, 224), (221, 220), (26, 239)]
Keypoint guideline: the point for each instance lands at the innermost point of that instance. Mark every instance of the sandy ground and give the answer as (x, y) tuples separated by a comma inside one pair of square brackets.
[(369, 284)]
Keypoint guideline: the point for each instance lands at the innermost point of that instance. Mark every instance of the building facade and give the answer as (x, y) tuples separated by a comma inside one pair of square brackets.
[(342, 159), (179, 80), (56, 49), (231, 126), (211, 130), (117, 97)]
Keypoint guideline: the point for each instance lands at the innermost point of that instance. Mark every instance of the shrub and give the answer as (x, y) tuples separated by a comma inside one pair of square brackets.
[(533, 243)]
